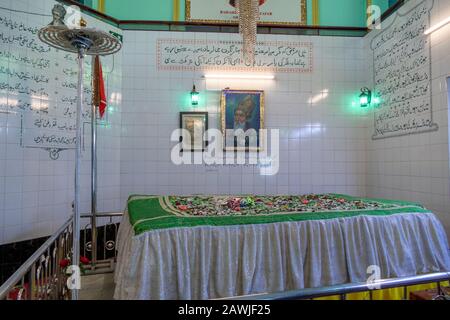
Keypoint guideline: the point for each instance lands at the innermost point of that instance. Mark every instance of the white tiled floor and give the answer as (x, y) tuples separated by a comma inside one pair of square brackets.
[(97, 287)]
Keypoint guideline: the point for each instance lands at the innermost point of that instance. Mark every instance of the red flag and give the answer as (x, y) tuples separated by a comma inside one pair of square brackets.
[(99, 94)]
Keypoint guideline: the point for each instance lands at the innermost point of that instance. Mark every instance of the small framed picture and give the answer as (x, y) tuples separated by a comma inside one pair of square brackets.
[(195, 124)]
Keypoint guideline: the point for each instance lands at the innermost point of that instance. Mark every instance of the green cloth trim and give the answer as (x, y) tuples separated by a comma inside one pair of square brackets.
[(148, 213)]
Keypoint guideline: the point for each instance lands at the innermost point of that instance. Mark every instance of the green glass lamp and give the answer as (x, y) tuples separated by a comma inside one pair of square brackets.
[(365, 98), (194, 96)]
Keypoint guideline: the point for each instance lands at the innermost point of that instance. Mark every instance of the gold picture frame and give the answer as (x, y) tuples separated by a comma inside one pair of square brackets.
[(303, 17), (242, 109)]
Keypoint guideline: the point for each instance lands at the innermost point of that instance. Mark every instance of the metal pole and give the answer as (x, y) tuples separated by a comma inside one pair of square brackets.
[(76, 217), (94, 181), (348, 288)]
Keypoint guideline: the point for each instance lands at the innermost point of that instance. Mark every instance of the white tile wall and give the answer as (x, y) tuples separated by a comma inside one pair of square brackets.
[(325, 147), (416, 167), (35, 191), (322, 145)]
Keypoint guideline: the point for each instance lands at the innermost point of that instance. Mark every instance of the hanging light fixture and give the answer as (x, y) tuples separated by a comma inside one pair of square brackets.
[(194, 96), (365, 98), (248, 11)]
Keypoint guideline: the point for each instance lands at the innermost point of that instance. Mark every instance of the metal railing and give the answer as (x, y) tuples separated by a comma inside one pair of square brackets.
[(42, 277), (98, 243), (343, 290)]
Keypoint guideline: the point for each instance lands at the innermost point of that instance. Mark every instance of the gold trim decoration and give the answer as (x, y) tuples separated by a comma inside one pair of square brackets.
[(101, 6), (303, 17), (187, 10), (164, 202), (148, 219), (368, 4), (315, 12), (176, 10), (223, 120)]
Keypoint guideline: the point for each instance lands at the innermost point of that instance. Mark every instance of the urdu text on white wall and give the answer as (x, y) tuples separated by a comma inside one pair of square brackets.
[(413, 166), (37, 126)]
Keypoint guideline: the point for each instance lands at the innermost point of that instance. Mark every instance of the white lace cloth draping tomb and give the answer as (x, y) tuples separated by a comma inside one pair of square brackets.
[(214, 262)]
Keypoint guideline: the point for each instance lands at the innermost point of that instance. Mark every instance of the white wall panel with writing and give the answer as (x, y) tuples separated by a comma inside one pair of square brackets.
[(37, 125), (402, 74), (411, 70)]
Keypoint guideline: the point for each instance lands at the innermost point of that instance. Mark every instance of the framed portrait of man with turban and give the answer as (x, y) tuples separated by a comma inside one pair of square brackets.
[(242, 117)]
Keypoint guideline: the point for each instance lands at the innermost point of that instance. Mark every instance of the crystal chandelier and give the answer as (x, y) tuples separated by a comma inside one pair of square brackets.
[(248, 11)]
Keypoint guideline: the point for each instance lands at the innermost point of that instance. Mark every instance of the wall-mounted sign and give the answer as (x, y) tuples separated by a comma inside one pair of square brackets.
[(191, 55), (38, 85), (402, 74), (287, 12)]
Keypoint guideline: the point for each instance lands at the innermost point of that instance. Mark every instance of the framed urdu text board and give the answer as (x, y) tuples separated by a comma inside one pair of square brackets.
[(282, 12)]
